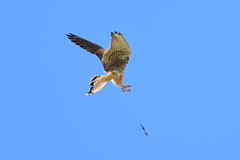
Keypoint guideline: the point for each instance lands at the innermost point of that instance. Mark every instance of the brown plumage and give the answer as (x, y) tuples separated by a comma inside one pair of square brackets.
[(114, 60)]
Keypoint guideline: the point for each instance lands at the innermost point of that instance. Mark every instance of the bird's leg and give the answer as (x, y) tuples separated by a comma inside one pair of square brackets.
[(124, 88)]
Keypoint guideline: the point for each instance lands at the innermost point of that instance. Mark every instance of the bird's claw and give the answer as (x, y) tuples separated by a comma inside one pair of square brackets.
[(124, 88)]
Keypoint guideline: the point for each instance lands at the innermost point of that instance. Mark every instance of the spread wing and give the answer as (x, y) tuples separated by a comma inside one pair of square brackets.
[(87, 45), (118, 48)]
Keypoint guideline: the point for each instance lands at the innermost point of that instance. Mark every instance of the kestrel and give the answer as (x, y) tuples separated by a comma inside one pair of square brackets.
[(114, 60)]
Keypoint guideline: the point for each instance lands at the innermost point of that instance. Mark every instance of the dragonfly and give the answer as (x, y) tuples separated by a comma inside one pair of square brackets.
[(143, 130)]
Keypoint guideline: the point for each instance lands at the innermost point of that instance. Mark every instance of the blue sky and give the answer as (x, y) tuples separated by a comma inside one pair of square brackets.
[(184, 71)]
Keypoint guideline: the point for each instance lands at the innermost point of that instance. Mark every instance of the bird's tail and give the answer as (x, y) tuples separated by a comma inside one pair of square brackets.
[(98, 82)]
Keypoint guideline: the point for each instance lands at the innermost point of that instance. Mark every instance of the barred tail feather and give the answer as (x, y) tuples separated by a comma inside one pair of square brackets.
[(98, 82)]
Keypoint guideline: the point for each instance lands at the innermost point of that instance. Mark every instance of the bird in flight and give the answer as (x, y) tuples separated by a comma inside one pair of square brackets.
[(114, 60)]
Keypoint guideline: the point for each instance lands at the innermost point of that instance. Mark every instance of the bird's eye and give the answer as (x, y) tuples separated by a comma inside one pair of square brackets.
[(126, 58)]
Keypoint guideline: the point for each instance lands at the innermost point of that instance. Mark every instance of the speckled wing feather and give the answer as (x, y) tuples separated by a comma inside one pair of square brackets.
[(87, 45), (118, 42), (118, 45)]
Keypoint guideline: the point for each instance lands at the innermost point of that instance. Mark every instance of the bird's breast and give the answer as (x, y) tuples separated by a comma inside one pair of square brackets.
[(118, 72)]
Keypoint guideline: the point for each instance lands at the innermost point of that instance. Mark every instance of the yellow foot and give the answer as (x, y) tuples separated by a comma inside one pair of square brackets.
[(124, 88)]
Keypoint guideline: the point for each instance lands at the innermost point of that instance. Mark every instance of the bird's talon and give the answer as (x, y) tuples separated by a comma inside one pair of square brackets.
[(124, 88)]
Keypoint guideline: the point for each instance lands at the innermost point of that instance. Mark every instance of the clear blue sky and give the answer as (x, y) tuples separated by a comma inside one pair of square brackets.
[(184, 71)]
